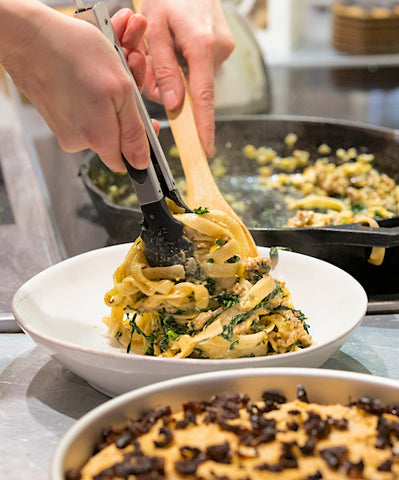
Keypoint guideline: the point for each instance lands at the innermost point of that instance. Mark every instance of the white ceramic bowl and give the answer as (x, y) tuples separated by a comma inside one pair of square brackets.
[(322, 386), (61, 309)]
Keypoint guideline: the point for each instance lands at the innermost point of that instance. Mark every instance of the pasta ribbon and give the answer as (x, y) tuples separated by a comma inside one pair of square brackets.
[(377, 253), (235, 308), (318, 201)]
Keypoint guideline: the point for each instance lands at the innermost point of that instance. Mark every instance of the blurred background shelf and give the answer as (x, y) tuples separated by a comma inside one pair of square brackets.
[(299, 33)]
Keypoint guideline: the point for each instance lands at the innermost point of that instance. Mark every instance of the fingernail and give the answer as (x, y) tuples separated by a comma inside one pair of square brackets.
[(170, 99), (141, 160)]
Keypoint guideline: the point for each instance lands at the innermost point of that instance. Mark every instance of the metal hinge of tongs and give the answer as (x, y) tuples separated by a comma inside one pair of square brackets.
[(162, 234)]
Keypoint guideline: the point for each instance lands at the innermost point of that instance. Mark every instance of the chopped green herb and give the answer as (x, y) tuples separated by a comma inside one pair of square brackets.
[(198, 353), (240, 318), (164, 343), (133, 326), (172, 334), (256, 327), (273, 253), (357, 207), (150, 347), (257, 276), (266, 301), (168, 323), (233, 259), (227, 332), (211, 319), (300, 315), (306, 326), (210, 284), (298, 344), (266, 266), (201, 210), (226, 299)]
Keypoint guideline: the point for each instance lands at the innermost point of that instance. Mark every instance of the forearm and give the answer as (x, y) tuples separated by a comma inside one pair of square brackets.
[(20, 22), (74, 78)]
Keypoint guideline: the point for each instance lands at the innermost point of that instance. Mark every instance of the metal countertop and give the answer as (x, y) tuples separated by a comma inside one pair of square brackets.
[(27, 239)]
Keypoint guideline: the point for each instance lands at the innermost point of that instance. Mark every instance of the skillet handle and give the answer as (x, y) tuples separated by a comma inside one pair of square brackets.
[(353, 234)]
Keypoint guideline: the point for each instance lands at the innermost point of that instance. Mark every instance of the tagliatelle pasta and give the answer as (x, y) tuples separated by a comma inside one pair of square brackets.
[(232, 307), (340, 189)]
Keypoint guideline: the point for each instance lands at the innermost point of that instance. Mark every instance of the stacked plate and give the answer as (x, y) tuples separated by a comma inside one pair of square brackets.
[(360, 30)]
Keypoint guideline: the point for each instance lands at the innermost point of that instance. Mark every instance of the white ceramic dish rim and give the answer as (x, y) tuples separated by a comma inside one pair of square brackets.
[(209, 362), (166, 385), (171, 361)]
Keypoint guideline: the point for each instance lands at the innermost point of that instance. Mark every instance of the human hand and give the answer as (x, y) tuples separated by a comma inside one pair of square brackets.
[(198, 32), (75, 79)]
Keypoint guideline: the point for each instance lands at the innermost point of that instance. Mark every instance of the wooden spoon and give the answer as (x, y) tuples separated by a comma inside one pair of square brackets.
[(202, 190)]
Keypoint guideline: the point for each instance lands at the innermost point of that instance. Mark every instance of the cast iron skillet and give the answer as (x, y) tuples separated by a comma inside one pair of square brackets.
[(347, 246)]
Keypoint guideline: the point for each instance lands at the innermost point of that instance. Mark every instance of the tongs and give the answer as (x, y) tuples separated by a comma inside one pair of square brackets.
[(162, 234)]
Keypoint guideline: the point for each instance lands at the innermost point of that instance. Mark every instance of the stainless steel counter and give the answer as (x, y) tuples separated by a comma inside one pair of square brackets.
[(40, 399), (27, 239)]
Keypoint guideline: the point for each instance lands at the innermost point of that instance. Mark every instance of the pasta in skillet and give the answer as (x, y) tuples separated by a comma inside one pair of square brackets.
[(233, 309)]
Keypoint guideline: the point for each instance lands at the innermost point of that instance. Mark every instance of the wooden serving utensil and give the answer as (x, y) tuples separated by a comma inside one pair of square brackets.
[(202, 190)]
